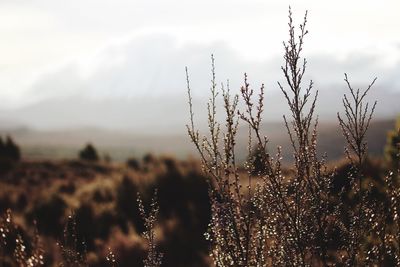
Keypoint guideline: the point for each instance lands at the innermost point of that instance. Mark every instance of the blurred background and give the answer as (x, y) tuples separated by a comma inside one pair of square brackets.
[(93, 105)]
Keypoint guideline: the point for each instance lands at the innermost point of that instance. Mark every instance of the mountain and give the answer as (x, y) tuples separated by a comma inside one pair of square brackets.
[(122, 144), (166, 114)]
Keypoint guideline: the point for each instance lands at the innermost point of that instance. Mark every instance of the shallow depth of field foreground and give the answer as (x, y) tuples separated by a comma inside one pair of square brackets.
[(289, 176)]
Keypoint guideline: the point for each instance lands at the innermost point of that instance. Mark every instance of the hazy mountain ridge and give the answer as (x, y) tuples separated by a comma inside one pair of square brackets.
[(167, 113), (121, 145)]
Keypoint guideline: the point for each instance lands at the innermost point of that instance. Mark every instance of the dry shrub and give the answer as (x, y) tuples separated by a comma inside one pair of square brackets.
[(154, 257), (16, 247), (259, 213), (49, 213), (297, 219)]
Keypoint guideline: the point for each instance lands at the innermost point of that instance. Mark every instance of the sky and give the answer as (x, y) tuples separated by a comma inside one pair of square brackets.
[(128, 49)]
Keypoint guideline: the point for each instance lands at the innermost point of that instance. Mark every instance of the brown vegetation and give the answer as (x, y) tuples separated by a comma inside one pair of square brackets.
[(256, 213), (295, 220), (103, 199)]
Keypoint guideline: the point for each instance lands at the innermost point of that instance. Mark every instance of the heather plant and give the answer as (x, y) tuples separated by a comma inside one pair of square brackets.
[(15, 249), (73, 252), (154, 258), (354, 127), (261, 217), (385, 220), (268, 222), (389, 246), (234, 237), (111, 259)]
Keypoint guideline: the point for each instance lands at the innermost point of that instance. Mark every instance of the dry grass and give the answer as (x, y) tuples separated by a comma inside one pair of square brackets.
[(104, 200)]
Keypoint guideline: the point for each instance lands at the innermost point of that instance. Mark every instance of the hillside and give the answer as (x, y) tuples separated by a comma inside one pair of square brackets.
[(120, 145)]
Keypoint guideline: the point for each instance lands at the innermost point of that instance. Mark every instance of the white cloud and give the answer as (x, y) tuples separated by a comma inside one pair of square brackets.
[(134, 83), (153, 66), (131, 47)]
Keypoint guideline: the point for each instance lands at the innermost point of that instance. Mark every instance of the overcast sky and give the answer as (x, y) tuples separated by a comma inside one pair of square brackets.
[(130, 48)]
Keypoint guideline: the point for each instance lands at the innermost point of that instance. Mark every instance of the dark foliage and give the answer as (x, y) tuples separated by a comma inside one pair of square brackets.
[(89, 153), (133, 164), (9, 154)]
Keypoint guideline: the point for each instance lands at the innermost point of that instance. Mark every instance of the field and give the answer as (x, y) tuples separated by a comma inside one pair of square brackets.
[(102, 198), (93, 175)]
